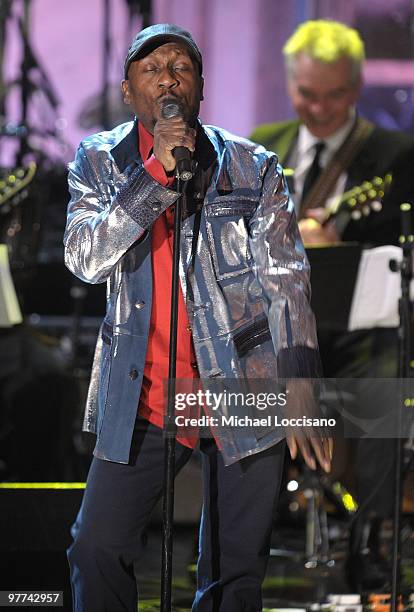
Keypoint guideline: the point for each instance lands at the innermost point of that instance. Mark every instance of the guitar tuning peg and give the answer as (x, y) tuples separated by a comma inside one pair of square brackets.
[(376, 205), (359, 201)]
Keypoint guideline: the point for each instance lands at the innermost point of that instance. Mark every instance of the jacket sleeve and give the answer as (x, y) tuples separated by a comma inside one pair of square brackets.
[(282, 269), (104, 221)]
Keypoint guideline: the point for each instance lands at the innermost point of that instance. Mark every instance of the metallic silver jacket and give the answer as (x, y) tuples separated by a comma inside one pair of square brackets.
[(246, 291)]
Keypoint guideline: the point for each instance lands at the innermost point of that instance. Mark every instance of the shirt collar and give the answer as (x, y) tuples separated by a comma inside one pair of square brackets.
[(306, 140), (145, 140)]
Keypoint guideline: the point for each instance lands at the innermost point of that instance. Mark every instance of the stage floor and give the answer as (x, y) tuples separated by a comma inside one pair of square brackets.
[(35, 533), (288, 583)]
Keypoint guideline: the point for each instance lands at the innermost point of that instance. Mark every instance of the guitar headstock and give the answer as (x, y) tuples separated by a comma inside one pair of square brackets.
[(360, 201), (13, 186)]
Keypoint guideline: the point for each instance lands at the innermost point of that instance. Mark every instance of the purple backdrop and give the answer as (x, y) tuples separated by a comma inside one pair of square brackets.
[(241, 42)]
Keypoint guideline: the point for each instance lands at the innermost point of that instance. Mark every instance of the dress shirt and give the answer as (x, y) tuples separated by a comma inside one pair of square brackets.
[(304, 152), (152, 405)]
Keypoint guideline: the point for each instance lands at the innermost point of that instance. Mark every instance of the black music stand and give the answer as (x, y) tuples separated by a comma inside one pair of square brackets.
[(334, 267)]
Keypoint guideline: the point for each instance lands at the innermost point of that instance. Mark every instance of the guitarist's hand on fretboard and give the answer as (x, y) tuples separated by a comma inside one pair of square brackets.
[(315, 230), (326, 225)]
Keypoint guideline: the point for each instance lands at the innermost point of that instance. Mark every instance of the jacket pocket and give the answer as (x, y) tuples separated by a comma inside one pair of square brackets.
[(228, 237)]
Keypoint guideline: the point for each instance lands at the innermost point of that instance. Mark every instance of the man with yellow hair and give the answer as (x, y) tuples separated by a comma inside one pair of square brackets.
[(324, 62), (331, 149)]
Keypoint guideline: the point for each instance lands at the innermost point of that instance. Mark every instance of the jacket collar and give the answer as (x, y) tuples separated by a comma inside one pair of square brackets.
[(205, 153), (126, 151)]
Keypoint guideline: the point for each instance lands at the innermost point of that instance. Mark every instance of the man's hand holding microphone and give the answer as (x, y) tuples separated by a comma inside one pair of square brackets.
[(174, 140)]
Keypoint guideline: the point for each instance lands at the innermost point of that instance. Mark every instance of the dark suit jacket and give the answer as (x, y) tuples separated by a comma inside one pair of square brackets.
[(384, 151)]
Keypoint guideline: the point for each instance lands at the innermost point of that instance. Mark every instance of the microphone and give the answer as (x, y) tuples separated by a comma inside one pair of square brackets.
[(182, 155)]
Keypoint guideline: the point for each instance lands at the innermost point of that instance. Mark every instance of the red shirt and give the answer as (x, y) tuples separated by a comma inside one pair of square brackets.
[(152, 405)]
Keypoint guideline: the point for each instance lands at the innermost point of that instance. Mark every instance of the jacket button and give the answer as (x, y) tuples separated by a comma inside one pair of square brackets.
[(194, 365), (133, 375), (139, 305)]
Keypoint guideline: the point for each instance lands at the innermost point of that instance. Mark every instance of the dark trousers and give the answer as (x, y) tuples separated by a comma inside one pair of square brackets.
[(234, 537)]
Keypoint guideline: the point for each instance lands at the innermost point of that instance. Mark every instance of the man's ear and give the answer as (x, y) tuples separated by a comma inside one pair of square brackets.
[(125, 91), (201, 88)]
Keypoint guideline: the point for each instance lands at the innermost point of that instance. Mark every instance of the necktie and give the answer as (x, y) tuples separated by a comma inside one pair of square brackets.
[(313, 172)]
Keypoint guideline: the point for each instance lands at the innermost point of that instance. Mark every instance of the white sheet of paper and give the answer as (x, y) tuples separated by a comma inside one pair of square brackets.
[(10, 313), (377, 290)]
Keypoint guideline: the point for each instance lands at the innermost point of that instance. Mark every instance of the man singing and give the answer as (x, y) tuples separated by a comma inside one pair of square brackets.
[(243, 312)]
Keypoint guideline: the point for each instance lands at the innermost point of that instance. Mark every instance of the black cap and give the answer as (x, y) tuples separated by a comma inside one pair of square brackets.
[(156, 35)]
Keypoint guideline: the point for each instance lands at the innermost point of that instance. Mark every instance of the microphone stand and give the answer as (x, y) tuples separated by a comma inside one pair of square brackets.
[(169, 423), (405, 268)]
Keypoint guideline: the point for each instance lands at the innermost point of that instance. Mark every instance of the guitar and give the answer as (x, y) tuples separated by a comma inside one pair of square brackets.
[(13, 186), (356, 203)]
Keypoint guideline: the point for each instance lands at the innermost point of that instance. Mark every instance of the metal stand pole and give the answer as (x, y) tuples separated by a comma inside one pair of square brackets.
[(25, 84), (5, 8), (106, 56), (170, 427), (405, 269)]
